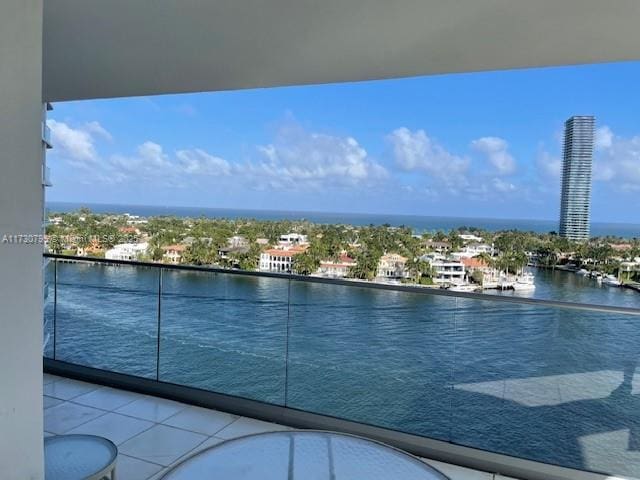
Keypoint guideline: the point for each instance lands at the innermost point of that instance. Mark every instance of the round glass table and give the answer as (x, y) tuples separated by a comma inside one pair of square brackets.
[(308, 455), (79, 457)]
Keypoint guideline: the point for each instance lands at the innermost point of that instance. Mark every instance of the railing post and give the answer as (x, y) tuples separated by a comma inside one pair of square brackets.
[(453, 369), (286, 345), (55, 304), (158, 326)]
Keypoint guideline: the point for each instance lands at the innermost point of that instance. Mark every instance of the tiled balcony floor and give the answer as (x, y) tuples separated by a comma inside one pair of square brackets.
[(152, 434)]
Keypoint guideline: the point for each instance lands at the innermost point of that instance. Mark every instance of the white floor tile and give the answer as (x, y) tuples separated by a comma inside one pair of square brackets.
[(152, 409), (49, 402), (147, 448), (67, 416), (129, 468), (200, 420), (107, 398), (117, 428), (247, 426), (162, 444), (455, 472), (210, 442), (66, 389)]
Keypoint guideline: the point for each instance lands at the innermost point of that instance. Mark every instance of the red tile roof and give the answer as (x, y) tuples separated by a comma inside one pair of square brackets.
[(289, 252), (474, 262)]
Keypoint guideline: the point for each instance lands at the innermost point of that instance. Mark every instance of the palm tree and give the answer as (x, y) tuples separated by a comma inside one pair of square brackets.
[(305, 263), (487, 259), (366, 266), (55, 244)]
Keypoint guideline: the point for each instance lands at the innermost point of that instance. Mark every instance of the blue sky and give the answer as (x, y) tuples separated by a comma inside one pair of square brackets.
[(473, 145)]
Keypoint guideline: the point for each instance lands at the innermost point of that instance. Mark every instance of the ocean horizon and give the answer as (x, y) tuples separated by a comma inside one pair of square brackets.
[(419, 223)]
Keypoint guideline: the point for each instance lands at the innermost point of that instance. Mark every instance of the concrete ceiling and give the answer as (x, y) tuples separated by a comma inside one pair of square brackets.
[(116, 48)]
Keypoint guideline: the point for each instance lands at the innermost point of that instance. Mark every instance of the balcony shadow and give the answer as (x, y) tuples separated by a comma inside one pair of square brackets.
[(585, 433)]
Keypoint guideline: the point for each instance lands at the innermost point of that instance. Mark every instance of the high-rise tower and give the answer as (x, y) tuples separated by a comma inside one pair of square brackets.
[(575, 202)]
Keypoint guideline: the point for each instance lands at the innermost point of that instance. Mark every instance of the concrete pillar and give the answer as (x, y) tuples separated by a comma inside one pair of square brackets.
[(21, 202)]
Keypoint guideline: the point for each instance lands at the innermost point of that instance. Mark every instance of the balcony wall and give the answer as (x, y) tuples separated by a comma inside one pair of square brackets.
[(21, 207), (530, 379)]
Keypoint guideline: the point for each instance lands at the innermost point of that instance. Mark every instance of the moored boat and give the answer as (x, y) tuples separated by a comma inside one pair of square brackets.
[(611, 280), (464, 288), (524, 282)]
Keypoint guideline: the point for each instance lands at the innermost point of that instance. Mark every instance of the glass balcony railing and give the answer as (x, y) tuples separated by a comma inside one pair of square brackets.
[(539, 380)]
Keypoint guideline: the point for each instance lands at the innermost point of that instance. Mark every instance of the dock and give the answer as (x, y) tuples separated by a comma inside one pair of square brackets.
[(632, 285)]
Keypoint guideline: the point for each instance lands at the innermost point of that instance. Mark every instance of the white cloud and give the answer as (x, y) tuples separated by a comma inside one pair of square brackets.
[(199, 162), (151, 154), (300, 158), (497, 152), (152, 163), (617, 160), (502, 186), (76, 145), (604, 138), (149, 162), (295, 159), (94, 128), (417, 151)]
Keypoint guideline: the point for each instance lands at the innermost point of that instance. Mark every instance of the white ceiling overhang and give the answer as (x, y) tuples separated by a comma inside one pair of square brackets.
[(119, 48)]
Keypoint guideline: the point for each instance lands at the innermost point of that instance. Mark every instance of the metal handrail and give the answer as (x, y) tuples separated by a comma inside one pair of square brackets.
[(362, 284)]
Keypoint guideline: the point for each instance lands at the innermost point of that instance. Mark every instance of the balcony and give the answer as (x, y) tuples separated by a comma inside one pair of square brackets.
[(46, 136), (154, 434), (46, 176), (529, 388)]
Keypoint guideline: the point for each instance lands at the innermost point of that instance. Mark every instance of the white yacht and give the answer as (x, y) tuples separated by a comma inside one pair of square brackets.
[(525, 281), (611, 280), (583, 272), (464, 288)]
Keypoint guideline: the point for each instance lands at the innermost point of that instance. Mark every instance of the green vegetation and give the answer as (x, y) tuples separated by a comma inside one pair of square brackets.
[(206, 241)]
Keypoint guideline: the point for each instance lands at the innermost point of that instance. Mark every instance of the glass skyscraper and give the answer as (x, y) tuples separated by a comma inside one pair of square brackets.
[(575, 201)]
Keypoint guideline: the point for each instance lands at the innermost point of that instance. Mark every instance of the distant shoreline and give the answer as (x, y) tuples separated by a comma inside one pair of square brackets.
[(419, 223)]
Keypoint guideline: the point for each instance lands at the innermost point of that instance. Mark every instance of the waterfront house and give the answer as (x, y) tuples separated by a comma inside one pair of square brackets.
[(279, 259), (173, 253), (392, 266), (337, 268), (473, 250), (475, 266), (126, 251), (630, 268), (446, 271)]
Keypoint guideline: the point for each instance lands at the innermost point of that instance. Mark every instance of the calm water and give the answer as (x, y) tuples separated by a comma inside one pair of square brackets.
[(540, 383), (417, 222)]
